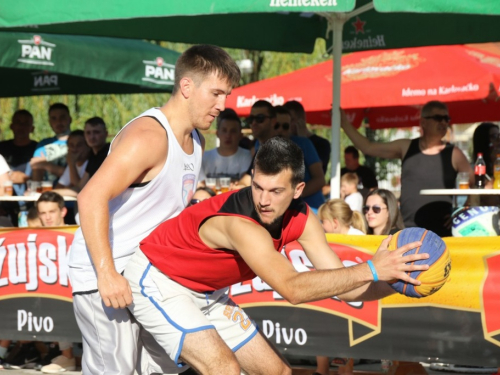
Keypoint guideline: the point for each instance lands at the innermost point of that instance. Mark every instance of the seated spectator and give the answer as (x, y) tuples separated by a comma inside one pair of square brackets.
[(33, 218), (486, 140), (201, 194), (77, 159), (19, 150), (227, 160), (51, 211), (382, 213), (96, 134), (367, 179), (337, 217), (49, 159), (349, 191)]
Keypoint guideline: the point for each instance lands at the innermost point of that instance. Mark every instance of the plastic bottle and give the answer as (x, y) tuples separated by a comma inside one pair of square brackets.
[(496, 172), (22, 219), (480, 172)]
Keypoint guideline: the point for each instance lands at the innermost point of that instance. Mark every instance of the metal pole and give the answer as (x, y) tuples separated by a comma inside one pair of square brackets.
[(336, 25)]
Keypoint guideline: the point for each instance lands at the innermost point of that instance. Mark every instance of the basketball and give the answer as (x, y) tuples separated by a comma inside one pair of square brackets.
[(439, 262)]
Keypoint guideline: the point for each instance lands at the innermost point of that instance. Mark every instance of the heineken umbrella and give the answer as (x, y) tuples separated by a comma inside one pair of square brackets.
[(41, 64), (275, 25), (388, 87)]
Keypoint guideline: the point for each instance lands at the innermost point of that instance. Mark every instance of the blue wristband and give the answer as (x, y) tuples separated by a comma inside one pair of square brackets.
[(374, 271)]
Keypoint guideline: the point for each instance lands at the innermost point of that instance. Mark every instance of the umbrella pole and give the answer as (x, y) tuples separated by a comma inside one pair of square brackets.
[(336, 25)]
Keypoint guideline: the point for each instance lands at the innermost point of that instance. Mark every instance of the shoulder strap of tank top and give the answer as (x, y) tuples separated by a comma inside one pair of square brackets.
[(413, 149)]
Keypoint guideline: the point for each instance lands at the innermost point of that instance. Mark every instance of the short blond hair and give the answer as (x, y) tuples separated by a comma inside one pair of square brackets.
[(350, 178)]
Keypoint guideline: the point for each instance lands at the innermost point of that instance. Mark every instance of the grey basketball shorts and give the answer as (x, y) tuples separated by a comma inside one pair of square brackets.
[(170, 311)]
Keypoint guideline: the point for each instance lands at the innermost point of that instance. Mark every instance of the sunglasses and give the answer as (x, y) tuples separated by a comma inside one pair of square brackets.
[(260, 118), (193, 202), (375, 209), (285, 126), (439, 118)]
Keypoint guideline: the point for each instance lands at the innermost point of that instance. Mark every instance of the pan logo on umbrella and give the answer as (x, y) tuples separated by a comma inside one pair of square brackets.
[(36, 51), (159, 72), (45, 82), (366, 42)]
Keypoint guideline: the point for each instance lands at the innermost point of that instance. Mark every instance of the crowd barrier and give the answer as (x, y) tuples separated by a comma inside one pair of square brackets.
[(459, 324)]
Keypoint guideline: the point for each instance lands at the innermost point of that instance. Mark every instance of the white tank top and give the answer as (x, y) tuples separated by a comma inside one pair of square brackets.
[(141, 207)]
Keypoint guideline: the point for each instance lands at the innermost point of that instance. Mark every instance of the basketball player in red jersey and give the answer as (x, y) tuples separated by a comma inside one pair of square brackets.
[(180, 272)]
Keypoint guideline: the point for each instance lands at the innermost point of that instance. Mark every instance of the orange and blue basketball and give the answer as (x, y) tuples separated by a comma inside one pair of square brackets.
[(439, 262)]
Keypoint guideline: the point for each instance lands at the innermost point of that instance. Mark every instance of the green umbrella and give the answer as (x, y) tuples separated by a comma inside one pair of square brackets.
[(275, 25), (39, 64)]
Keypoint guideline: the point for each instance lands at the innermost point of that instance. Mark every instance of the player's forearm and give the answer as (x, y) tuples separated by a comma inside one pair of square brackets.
[(94, 221), (318, 285), (368, 292)]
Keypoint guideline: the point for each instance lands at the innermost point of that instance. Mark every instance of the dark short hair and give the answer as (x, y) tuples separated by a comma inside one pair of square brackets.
[(22, 112), (51, 196), (296, 108), (230, 117), (32, 213), (226, 112), (433, 104), (55, 106), (204, 59), (96, 121), (278, 154), (281, 110), (353, 151), (77, 133), (206, 190), (265, 104)]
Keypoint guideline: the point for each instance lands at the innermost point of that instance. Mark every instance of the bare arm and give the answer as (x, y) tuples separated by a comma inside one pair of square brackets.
[(461, 164), (322, 257), (255, 246), (390, 150), (317, 180), (137, 155)]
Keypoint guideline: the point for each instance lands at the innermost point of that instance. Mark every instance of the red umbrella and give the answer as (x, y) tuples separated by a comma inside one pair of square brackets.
[(388, 87)]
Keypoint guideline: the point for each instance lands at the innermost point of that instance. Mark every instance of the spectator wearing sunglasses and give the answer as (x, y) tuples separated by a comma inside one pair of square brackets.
[(427, 163), (382, 213), (200, 195)]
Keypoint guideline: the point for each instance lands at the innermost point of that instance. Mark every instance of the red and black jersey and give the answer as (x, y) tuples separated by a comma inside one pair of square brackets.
[(176, 249)]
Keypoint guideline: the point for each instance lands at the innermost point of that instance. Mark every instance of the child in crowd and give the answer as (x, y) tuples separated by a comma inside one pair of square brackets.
[(349, 191), (337, 217)]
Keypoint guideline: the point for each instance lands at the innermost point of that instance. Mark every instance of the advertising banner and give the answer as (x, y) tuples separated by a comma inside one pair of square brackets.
[(35, 292), (459, 324)]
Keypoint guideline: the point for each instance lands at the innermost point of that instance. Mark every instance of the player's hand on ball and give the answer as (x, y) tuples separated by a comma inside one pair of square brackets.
[(114, 290), (394, 265)]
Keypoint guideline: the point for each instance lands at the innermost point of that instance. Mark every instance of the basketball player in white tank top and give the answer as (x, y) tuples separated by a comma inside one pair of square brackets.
[(149, 175)]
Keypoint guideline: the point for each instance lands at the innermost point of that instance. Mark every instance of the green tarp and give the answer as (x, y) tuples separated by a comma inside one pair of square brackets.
[(42, 64)]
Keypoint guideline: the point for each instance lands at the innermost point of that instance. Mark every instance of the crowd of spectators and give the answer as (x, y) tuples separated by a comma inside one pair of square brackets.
[(70, 158)]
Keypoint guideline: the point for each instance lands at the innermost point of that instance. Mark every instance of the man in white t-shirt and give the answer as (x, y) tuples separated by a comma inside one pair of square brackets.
[(228, 160), (77, 158)]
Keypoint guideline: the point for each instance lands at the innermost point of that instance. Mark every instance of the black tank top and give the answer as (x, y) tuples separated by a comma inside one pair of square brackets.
[(420, 171)]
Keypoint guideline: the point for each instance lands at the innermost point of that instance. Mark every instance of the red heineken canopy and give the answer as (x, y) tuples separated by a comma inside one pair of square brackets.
[(388, 87)]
